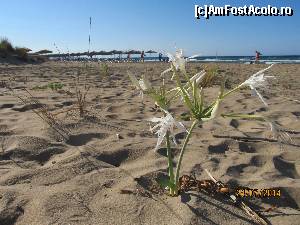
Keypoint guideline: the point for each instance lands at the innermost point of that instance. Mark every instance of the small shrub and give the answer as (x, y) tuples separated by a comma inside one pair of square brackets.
[(198, 110), (6, 47), (210, 76), (55, 86), (22, 53), (105, 69)]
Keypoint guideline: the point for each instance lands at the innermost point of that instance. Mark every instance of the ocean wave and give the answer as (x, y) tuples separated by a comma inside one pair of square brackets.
[(248, 61)]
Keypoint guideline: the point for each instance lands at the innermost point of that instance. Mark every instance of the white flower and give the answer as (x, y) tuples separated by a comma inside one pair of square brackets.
[(142, 85), (178, 61), (258, 80), (165, 124)]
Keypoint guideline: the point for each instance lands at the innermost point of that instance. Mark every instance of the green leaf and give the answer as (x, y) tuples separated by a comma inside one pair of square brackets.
[(201, 99), (164, 182), (244, 116)]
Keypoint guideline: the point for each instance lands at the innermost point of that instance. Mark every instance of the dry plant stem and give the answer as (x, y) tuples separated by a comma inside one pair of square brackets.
[(170, 164), (181, 154), (43, 113), (241, 204)]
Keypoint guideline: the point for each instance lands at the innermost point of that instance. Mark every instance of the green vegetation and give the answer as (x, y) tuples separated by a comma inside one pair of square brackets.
[(196, 107), (54, 86), (105, 69), (7, 50), (210, 76)]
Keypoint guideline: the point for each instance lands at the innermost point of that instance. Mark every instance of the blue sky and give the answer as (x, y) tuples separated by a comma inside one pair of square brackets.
[(148, 24)]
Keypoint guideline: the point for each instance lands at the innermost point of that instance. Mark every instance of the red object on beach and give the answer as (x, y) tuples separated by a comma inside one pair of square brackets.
[(257, 55)]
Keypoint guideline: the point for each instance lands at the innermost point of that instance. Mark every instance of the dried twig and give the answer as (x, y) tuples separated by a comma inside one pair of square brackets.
[(239, 203), (81, 96), (213, 187), (43, 112)]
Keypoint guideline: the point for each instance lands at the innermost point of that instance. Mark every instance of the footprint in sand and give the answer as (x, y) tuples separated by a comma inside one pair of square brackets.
[(246, 147), (235, 171), (114, 158), (297, 114), (259, 160), (28, 107), (287, 165), (30, 150), (112, 116), (13, 208), (219, 148), (6, 106), (82, 139), (234, 123)]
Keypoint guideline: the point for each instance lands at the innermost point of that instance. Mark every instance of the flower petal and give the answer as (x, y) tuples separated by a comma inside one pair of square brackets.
[(155, 119), (255, 92)]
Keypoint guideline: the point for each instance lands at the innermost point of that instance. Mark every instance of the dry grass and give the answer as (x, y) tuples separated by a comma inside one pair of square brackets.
[(81, 94), (41, 111), (210, 76)]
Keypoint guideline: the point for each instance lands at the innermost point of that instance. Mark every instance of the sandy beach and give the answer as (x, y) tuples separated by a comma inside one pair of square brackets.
[(104, 169)]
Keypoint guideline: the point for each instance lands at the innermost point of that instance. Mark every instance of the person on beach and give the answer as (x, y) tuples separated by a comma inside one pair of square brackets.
[(143, 56), (128, 57), (257, 56), (160, 57)]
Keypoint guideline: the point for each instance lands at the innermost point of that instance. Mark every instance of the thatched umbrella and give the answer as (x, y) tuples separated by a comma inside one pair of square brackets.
[(151, 52), (91, 54), (132, 52), (44, 51), (103, 53)]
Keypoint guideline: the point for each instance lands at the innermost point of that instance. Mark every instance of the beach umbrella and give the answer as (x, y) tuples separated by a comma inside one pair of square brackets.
[(91, 54), (114, 52), (44, 51), (132, 52), (103, 53), (151, 52)]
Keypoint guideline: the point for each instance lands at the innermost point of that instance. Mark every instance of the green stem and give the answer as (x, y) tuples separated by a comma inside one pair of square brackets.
[(188, 79), (182, 152), (245, 116), (183, 91), (170, 164), (231, 91)]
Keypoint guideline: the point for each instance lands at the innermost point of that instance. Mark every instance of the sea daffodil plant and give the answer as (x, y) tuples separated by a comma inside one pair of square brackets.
[(191, 93)]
